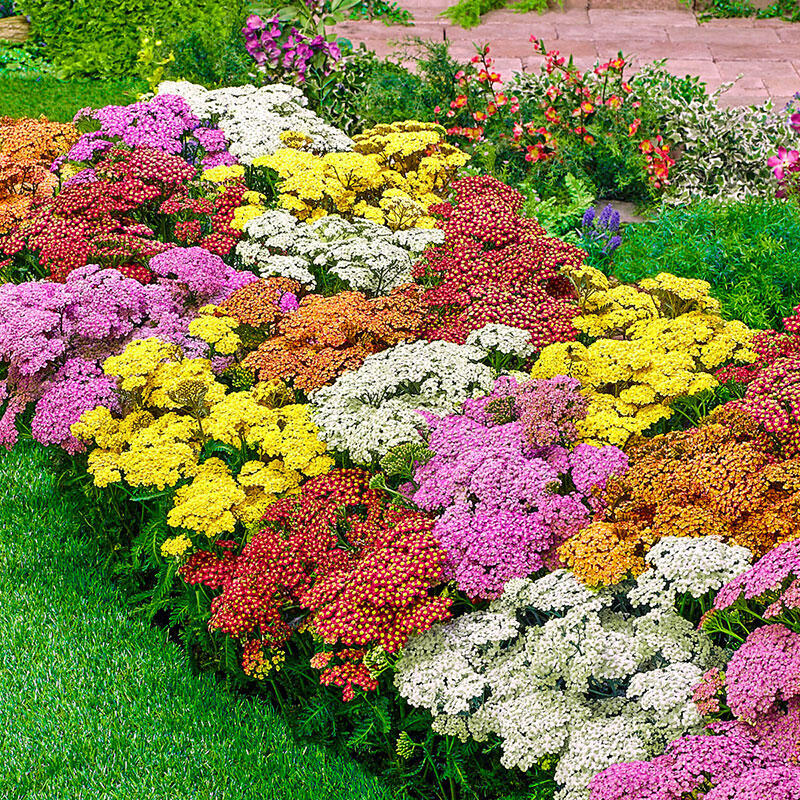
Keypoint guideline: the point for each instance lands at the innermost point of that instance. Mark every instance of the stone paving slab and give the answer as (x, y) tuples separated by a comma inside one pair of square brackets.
[(766, 52)]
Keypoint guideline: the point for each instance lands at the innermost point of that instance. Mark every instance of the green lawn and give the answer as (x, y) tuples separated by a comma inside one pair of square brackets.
[(24, 96), (95, 703)]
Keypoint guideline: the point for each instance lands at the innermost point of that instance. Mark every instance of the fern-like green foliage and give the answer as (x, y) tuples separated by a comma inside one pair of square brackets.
[(748, 251), (560, 215), (468, 13)]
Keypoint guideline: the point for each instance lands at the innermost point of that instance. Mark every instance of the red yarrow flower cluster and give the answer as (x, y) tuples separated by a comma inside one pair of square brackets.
[(496, 266), (129, 207), (353, 568), (773, 401)]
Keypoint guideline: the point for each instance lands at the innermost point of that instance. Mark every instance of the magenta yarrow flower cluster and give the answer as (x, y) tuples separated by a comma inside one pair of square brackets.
[(507, 486), (164, 123), (728, 766), (773, 581), (54, 337), (277, 48)]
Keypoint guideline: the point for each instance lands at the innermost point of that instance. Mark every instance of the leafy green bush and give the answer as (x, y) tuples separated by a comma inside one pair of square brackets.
[(212, 61), (103, 37), (748, 251), (720, 152), (392, 93), (23, 58), (349, 80), (785, 9)]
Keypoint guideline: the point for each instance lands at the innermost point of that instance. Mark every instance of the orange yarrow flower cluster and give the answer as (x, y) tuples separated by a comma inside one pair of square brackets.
[(323, 337), (723, 478), (27, 149)]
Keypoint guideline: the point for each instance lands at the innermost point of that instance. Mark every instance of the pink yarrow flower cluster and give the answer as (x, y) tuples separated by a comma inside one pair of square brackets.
[(507, 486), (164, 123), (55, 336), (773, 581), (729, 766)]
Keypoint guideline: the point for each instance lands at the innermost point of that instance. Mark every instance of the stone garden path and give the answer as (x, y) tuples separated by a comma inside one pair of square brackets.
[(765, 52)]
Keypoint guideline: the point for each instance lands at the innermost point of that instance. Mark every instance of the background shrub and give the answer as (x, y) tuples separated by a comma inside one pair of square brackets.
[(748, 251), (392, 93), (103, 37)]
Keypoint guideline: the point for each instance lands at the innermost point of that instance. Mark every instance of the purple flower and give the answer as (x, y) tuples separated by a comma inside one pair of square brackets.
[(165, 123), (288, 303)]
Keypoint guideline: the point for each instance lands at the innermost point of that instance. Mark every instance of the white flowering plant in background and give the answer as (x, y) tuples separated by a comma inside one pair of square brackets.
[(333, 253), (368, 411), (253, 118), (558, 671)]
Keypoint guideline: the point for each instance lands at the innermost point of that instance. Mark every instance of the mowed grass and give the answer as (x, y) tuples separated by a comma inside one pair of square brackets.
[(95, 703), (27, 96)]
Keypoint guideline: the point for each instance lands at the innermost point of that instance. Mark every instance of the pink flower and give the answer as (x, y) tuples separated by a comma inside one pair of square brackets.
[(786, 159)]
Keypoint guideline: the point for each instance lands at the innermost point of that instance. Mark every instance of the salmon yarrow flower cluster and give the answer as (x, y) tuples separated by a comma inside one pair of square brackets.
[(27, 149), (277, 333), (690, 484)]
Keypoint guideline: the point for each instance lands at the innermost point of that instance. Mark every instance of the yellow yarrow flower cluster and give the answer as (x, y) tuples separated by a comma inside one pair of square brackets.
[(631, 381), (148, 368), (217, 331), (223, 173), (392, 176), (140, 449), (254, 202), (176, 546), (297, 140), (180, 410), (206, 504), (610, 308), (254, 206)]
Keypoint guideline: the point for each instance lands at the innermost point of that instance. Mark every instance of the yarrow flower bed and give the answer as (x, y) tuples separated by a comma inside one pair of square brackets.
[(371, 440)]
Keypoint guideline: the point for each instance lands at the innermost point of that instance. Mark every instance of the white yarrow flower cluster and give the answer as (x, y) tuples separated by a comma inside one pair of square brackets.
[(370, 258), (370, 410), (253, 118), (503, 339), (688, 565), (556, 670)]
